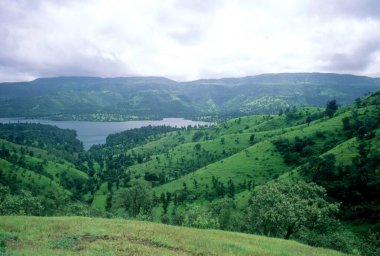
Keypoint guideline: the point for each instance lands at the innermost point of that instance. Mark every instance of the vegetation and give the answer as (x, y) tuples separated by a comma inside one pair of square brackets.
[(92, 236), (285, 208), (131, 98), (60, 142), (305, 173)]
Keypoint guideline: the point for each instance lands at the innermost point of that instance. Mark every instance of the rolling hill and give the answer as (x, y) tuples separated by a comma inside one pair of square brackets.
[(205, 177)]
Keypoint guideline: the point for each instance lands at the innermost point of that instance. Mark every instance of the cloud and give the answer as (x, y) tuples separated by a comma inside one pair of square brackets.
[(186, 40), (357, 60), (346, 8)]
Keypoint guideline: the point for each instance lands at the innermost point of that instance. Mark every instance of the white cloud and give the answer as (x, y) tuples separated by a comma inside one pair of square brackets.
[(187, 39)]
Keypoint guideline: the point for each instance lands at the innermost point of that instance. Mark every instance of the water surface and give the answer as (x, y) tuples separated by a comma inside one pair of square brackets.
[(91, 133)]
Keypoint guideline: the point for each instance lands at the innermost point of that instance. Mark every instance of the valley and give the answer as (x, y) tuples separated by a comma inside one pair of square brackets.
[(190, 128), (211, 177)]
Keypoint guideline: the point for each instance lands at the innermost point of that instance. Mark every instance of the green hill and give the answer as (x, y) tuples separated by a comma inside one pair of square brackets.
[(93, 98), (215, 177), (92, 236), (37, 164)]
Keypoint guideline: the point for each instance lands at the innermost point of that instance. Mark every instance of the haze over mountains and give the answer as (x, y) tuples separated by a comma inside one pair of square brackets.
[(82, 98)]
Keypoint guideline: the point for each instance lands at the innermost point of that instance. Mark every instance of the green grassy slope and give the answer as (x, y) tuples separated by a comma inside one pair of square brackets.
[(175, 154), (53, 165), (40, 172), (32, 181), (177, 151), (251, 164), (91, 236), (260, 162)]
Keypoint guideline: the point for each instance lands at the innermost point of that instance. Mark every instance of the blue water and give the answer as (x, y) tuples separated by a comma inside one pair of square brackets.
[(91, 133)]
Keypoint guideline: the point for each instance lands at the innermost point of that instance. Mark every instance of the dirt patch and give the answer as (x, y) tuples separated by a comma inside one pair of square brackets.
[(155, 244), (74, 242)]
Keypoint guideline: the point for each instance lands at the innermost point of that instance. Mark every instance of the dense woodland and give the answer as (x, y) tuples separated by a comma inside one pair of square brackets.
[(306, 173)]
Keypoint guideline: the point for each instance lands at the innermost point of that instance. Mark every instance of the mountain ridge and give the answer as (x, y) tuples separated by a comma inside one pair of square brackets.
[(262, 75), (86, 98)]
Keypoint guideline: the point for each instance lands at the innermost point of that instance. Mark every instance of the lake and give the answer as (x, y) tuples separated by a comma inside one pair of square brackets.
[(91, 133)]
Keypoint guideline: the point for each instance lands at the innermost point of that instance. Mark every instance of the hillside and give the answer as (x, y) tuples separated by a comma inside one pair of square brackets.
[(215, 177), (91, 236), (198, 172), (39, 164), (92, 98)]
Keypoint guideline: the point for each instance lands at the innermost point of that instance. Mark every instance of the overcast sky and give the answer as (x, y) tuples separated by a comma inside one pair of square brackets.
[(187, 39)]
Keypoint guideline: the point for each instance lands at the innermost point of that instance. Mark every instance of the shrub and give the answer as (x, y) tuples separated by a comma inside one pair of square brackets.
[(198, 217)]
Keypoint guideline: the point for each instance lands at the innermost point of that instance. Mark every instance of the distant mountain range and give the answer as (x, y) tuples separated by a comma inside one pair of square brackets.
[(90, 98)]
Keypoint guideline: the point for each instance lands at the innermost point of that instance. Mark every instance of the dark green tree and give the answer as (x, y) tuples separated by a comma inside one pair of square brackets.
[(252, 138), (230, 189), (284, 208), (137, 199), (331, 108)]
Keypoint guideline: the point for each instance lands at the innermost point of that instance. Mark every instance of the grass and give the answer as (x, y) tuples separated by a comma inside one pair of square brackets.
[(93, 236), (233, 158), (100, 197), (46, 182), (28, 179), (244, 166), (261, 162), (53, 165)]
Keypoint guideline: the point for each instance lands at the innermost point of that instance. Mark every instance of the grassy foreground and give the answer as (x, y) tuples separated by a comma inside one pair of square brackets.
[(95, 236)]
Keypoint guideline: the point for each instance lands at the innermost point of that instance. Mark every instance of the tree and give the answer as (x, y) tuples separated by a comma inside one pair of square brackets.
[(346, 123), (109, 201), (165, 201), (331, 108), (138, 198), (284, 208), (252, 138), (225, 210), (309, 119), (230, 188), (320, 170)]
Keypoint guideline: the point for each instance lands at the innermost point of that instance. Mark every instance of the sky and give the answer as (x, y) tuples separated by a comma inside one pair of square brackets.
[(187, 39)]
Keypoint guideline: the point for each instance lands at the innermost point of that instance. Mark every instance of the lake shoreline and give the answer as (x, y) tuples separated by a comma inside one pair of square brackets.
[(94, 132)]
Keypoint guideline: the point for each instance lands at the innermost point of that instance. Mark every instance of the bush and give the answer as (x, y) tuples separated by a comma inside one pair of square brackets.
[(198, 217), (371, 245), (21, 204), (341, 240), (80, 209)]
